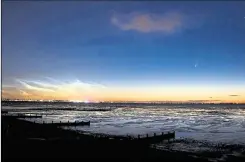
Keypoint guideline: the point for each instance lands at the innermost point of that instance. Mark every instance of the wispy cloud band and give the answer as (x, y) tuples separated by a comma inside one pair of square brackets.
[(43, 90)]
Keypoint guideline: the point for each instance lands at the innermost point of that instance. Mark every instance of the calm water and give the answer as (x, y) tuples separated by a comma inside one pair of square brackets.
[(213, 123)]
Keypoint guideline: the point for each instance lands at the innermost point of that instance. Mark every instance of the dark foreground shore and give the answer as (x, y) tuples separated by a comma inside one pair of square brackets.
[(25, 140)]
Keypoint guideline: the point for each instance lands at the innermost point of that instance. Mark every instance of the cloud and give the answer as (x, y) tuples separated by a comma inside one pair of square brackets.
[(29, 89), (168, 23), (46, 86), (81, 86), (39, 84), (29, 86), (234, 95)]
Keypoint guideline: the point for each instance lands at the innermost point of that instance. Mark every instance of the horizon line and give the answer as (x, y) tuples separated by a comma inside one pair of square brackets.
[(169, 102)]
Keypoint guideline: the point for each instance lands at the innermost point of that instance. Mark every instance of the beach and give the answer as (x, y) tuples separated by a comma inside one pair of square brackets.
[(29, 138)]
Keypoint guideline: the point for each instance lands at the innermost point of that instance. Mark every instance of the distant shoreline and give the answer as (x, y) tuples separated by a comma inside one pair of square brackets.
[(131, 102)]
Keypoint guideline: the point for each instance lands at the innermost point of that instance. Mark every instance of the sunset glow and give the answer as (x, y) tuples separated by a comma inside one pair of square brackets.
[(187, 52), (84, 92)]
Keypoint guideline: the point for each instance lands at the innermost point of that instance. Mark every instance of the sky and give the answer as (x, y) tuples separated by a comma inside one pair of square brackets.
[(124, 51)]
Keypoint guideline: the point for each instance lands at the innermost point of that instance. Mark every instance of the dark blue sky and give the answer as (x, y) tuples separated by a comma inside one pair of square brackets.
[(124, 43)]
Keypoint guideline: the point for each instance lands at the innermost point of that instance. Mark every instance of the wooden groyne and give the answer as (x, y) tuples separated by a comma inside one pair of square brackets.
[(82, 123), (53, 132), (155, 138), (139, 139)]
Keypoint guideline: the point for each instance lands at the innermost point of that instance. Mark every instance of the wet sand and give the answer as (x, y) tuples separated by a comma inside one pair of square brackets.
[(26, 140)]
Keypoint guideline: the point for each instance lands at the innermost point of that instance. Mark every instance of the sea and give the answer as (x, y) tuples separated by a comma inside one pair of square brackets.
[(198, 127)]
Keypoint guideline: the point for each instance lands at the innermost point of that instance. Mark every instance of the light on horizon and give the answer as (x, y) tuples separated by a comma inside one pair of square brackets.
[(79, 101)]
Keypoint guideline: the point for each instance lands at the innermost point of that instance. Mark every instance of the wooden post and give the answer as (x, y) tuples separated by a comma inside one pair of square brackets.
[(52, 121), (147, 135), (154, 134), (162, 133), (68, 121), (138, 136), (60, 121)]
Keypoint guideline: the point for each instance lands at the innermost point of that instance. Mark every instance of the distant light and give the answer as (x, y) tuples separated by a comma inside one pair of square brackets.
[(75, 101), (86, 101), (80, 101)]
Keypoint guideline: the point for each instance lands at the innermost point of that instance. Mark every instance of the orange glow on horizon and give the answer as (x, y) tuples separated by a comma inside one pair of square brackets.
[(81, 91), (117, 97)]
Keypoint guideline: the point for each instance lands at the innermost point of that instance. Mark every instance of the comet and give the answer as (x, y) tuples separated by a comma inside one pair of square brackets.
[(196, 65)]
